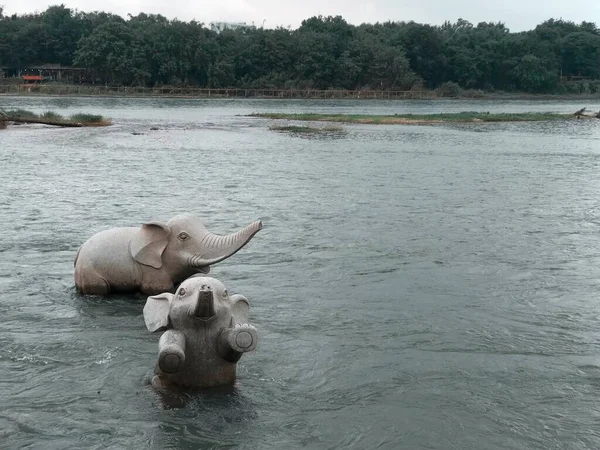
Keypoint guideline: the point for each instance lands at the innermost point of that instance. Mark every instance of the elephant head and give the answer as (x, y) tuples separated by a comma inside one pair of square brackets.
[(183, 246), (198, 302), (206, 333)]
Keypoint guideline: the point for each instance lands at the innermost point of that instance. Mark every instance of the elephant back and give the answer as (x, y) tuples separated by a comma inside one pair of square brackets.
[(105, 257)]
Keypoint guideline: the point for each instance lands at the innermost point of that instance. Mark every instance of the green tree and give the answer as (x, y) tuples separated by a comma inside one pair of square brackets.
[(324, 52), (61, 31), (580, 54), (108, 50), (424, 50), (532, 74)]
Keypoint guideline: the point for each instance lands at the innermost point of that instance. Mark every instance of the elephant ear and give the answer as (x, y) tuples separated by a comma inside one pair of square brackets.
[(240, 308), (156, 312), (149, 243)]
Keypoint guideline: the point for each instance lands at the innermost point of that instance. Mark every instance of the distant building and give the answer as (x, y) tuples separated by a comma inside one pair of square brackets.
[(45, 72), (217, 27)]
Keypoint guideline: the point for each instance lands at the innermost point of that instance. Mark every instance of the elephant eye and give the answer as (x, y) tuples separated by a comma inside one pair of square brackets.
[(225, 293), (183, 236), (182, 291)]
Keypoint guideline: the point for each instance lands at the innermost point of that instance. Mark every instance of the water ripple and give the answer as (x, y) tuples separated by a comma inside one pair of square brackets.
[(413, 287)]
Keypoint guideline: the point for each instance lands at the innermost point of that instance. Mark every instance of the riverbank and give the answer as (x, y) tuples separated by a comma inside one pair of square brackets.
[(66, 90), (206, 93), (419, 119)]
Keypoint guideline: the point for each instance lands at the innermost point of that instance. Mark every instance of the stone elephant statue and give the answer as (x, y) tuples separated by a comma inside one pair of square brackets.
[(153, 258), (206, 334)]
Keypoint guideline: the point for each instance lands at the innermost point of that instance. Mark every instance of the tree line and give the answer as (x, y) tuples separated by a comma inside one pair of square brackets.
[(323, 53)]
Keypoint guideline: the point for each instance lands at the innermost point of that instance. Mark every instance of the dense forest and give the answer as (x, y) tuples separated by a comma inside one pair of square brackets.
[(323, 53)]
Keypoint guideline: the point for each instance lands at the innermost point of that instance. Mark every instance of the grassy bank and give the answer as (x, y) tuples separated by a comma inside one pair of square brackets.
[(54, 119), (419, 118)]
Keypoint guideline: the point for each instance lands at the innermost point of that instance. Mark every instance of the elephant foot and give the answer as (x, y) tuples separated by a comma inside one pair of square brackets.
[(92, 285), (243, 338), (171, 358), (159, 382)]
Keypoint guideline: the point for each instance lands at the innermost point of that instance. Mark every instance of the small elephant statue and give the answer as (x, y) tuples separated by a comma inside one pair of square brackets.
[(154, 258), (206, 334)]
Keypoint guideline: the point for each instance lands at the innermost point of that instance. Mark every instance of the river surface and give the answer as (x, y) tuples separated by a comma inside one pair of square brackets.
[(414, 287)]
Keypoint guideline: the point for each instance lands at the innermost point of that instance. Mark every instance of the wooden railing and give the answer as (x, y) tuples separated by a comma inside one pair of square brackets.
[(49, 89)]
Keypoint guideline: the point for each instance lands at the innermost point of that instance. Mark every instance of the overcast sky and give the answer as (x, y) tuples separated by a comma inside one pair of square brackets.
[(518, 15)]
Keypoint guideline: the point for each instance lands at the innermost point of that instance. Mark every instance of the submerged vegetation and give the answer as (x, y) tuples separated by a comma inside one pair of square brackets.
[(419, 118), (456, 58), (52, 118), (306, 129)]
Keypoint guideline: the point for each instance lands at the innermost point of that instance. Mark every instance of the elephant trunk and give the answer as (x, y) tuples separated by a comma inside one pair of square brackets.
[(205, 307), (216, 248)]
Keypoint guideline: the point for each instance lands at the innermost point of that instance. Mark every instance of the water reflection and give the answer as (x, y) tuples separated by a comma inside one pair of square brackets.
[(175, 398)]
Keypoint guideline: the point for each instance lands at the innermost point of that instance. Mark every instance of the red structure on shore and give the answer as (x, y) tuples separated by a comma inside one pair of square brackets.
[(46, 72)]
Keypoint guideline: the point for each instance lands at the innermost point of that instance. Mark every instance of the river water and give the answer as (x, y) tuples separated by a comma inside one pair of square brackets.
[(414, 287)]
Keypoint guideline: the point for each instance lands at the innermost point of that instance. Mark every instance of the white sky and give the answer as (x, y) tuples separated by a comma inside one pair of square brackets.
[(518, 15)]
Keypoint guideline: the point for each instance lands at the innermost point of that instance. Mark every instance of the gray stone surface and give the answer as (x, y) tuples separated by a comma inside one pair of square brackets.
[(153, 258), (206, 333)]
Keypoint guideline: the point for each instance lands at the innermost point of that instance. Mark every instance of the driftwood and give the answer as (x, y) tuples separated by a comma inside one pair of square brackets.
[(55, 123), (580, 114)]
